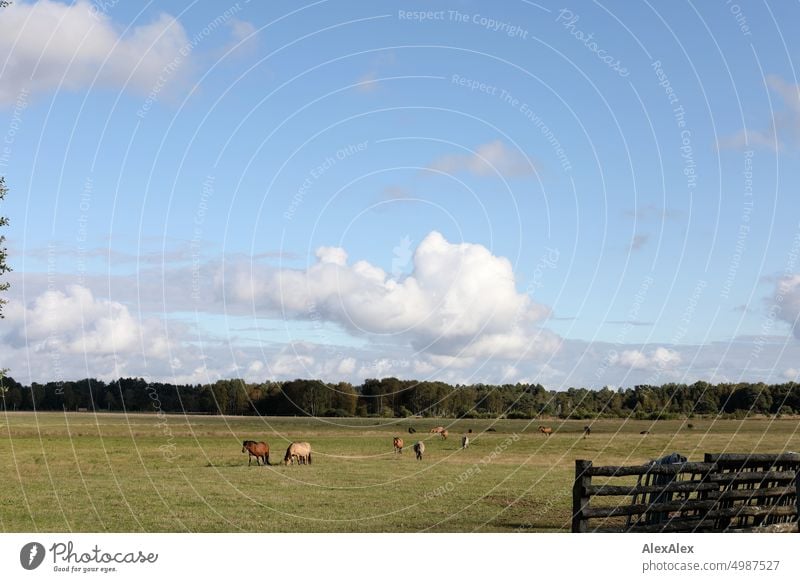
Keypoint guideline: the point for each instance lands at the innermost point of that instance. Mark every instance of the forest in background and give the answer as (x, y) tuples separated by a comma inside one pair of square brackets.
[(394, 398)]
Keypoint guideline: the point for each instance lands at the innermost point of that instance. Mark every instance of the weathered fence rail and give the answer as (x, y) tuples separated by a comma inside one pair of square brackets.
[(726, 492)]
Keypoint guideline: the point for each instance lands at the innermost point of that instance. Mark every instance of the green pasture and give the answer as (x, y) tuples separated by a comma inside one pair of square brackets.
[(111, 472)]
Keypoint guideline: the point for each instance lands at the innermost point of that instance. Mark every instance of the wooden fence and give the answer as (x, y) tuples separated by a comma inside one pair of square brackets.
[(726, 492)]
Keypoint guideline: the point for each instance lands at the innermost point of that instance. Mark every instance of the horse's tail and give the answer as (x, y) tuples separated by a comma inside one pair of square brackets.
[(266, 459), (309, 457)]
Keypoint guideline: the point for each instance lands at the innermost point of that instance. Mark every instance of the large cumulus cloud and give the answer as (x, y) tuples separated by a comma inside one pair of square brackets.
[(73, 321), (459, 301)]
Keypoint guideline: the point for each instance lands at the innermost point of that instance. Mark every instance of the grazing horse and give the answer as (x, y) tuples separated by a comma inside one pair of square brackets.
[(645, 432), (464, 442), (257, 450), (300, 451), (398, 445), (587, 430), (545, 430), (437, 429), (411, 430), (419, 449)]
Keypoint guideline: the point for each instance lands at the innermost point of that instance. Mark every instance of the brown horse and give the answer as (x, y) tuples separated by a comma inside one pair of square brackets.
[(398, 444), (437, 429), (587, 430), (545, 430), (258, 450), (299, 451)]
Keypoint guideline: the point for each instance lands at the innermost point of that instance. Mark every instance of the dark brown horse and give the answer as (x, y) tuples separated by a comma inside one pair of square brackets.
[(257, 450)]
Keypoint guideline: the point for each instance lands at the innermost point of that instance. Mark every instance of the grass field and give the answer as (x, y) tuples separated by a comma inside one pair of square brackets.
[(109, 472)]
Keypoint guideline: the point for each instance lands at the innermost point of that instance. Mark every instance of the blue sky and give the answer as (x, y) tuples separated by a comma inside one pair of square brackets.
[(579, 194)]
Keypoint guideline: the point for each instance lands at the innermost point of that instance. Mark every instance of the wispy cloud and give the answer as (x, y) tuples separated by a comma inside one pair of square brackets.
[(653, 212), (395, 193), (244, 39), (781, 132), (183, 252), (638, 242), (487, 159), (630, 322), (368, 83)]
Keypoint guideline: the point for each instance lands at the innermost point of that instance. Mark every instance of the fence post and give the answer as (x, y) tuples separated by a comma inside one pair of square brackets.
[(580, 498), (797, 497)]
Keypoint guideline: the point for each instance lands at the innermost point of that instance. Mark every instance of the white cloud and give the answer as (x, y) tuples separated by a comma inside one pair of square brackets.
[(783, 128), (255, 368), (332, 255), (488, 159), (460, 300), (658, 359), (47, 45), (292, 366), (786, 302), (75, 322), (71, 333), (347, 366), (241, 29), (244, 39)]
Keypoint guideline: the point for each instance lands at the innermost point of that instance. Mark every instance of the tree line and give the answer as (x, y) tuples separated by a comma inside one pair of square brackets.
[(391, 397)]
